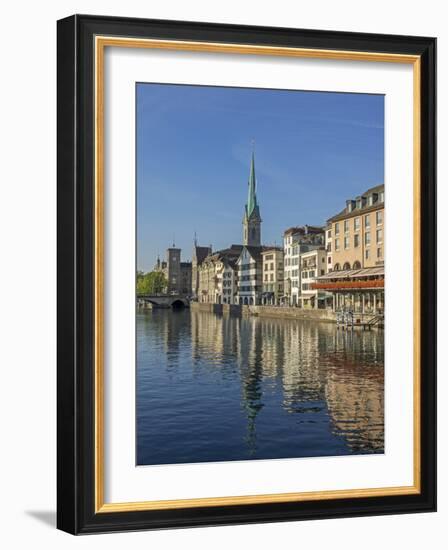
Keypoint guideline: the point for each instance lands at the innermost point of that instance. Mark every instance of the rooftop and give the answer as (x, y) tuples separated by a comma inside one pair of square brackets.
[(368, 201), (303, 230)]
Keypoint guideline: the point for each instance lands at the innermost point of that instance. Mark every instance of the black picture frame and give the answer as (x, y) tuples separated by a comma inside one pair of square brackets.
[(76, 271)]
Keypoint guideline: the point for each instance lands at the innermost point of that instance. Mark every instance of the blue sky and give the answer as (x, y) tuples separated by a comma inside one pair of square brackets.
[(313, 150)]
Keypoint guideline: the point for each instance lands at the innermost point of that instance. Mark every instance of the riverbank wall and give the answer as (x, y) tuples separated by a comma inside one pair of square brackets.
[(267, 311)]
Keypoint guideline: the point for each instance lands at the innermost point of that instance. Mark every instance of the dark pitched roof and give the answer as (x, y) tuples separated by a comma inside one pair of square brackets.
[(303, 230), (201, 252), (344, 213), (272, 249), (227, 254)]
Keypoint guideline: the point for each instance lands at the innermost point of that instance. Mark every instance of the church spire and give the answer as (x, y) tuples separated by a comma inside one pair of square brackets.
[(252, 219), (252, 191)]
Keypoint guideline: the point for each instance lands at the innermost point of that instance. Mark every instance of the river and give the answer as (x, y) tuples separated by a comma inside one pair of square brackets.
[(217, 387)]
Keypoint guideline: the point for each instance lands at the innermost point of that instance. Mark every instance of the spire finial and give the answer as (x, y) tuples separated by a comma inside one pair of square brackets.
[(195, 239)]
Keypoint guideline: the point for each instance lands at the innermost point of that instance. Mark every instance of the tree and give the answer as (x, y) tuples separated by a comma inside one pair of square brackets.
[(153, 282)]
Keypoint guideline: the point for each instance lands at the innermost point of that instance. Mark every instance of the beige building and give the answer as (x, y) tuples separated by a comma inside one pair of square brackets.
[(272, 275), (217, 276), (198, 256), (355, 250), (357, 233)]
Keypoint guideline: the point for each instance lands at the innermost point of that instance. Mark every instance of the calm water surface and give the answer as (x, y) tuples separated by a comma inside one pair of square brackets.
[(212, 388)]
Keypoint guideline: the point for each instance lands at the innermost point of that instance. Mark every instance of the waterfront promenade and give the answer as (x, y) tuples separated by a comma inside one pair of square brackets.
[(279, 312)]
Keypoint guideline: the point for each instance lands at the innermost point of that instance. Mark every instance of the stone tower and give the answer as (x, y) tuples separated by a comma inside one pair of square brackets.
[(252, 219), (173, 269)]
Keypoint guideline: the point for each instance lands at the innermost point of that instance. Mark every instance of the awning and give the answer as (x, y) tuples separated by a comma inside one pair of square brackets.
[(353, 274)]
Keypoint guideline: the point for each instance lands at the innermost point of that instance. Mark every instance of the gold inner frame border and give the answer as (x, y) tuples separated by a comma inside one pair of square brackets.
[(101, 42)]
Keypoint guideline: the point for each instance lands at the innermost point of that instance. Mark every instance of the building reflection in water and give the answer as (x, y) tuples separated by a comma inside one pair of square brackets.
[(302, 388)]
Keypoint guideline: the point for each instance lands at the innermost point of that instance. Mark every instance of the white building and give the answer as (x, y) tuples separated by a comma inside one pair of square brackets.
[(328, 247), (227, 282), (273, 273), (296, 241), (250, 270), (313, 264)]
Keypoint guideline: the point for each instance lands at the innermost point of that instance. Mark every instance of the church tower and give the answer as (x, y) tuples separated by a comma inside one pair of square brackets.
[(252, 219)]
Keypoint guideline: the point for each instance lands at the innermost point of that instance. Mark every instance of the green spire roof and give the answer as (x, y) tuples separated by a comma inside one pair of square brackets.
[(251, 196)]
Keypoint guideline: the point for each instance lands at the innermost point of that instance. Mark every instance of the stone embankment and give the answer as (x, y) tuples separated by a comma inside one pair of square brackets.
[(267, 311)]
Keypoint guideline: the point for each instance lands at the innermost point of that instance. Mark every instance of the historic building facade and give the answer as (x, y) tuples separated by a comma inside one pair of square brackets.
[(313, 264), (356, 280), (296, 241), (358, 232), (176, 272), (198, 256), (273, 275), (250, 270), (217, 276)]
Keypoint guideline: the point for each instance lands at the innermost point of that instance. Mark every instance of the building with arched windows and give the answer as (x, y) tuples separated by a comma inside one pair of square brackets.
[(355, 250)]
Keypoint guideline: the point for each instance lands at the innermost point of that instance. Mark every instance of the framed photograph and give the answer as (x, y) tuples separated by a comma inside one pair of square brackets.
[(246, 274)]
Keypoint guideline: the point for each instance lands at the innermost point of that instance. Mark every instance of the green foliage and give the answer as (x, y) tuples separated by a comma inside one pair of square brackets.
[(153, 282)]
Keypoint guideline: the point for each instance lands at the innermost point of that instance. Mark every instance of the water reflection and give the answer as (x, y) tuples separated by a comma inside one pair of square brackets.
[(213, 387)]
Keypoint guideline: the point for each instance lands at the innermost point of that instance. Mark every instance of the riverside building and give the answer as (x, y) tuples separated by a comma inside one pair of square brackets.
[(356, 280), (273, 273), (296, 241)]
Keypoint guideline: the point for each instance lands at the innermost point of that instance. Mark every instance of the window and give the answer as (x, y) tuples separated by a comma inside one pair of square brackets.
[(337, 267), (346, 242), (356, 224), (379, 253), (329, 247), (346, 228), (356, 241), (379, 235), (382, 196), (367, 254), (312, 274), (367, 220), (272, 276), (322, 271), (329, 259), (367, 238), (336, 228), (336, 244), (329, 234), (379, 217), (323, 260), (272, 266), (305, 275)]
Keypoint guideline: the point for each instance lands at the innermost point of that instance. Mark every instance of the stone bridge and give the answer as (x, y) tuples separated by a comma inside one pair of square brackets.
[(163, 300)]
